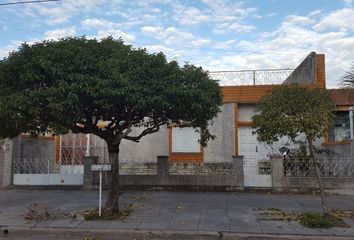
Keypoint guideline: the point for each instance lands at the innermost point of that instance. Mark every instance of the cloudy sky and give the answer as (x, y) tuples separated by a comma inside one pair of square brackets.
[(214, 34)]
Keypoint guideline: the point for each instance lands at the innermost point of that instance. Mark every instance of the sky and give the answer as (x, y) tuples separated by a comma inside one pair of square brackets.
[(214, 34)]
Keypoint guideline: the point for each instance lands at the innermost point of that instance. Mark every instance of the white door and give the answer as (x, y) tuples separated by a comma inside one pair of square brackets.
[(253, 152)]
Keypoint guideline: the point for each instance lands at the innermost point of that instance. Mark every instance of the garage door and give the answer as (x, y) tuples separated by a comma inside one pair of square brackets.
[(255, 168)]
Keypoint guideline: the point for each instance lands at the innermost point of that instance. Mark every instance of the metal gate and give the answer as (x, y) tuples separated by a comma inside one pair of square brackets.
[(46, 169)]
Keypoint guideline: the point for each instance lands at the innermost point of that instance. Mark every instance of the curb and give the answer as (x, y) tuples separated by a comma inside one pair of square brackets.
[(122, 234)]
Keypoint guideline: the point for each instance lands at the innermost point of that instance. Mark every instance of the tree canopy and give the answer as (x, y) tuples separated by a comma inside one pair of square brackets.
[(291, 110), (74, 83), (105, 88)]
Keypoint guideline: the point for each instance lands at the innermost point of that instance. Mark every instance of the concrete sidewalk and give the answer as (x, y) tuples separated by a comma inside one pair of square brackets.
[(190, 212)]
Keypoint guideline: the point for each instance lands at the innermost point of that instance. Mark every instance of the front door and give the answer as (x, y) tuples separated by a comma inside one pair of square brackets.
[(255, 169)]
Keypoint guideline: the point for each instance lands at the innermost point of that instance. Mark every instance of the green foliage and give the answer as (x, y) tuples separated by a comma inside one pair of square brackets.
[(291, 110), (316, 220), (74, 83)]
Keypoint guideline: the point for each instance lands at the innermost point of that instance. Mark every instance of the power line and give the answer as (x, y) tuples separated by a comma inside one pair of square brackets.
[(25, 2)]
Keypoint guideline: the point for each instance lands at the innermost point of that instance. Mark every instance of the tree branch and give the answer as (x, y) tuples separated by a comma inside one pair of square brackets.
[(150, 130)]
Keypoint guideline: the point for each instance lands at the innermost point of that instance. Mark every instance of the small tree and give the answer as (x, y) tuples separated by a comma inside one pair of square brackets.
[(293, 110), (76, 83)]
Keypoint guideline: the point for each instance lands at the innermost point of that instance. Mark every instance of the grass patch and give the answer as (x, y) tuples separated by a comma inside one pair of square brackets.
[(316, 220), (308, 219), (92, 215)]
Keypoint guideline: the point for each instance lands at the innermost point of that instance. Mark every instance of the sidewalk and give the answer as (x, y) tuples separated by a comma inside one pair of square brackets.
[(214, 214)]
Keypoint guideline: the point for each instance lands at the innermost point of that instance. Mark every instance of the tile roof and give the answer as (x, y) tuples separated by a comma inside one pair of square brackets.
[(342, 97)]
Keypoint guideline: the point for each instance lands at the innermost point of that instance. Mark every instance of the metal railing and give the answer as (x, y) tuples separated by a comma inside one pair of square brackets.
[(251, 77), (44, 166), (31, 165), (327, 168)]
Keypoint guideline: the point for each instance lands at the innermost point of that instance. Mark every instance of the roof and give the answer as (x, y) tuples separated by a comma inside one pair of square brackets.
[(342, 97)]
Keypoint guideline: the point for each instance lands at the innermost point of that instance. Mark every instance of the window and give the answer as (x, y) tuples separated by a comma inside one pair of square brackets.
[(185, 140), (341, 130)]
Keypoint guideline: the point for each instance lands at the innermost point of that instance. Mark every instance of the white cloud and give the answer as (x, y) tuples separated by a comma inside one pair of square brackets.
[(60, 33), (115, 33), (60, 12), (343, 18), (233, 27), (174, 37), (272, 14), (189, 15), (348, 3), (171, 53), (299, 20), (98, 23), (228, 16), (4, 53), (224, 45)]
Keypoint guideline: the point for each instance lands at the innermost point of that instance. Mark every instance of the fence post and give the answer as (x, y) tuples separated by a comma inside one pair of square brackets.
[(237, 170), (254, 77), (162, 169), (88, 175), (277, 171)]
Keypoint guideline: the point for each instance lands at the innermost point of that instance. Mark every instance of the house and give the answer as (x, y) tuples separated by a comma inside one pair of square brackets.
[(173, 155)]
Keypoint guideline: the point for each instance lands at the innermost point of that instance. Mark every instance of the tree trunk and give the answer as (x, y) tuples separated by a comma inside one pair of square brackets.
[(319, 179), (112, 203)]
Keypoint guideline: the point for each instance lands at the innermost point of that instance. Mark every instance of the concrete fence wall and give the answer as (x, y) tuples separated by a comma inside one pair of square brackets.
[(226, 176)]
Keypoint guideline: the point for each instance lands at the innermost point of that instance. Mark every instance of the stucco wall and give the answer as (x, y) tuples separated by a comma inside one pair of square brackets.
[(305, 72), (147, 150), (223, 147)]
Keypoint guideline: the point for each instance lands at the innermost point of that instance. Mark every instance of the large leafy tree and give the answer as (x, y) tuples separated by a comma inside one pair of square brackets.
[(77, 83), (291, 111)]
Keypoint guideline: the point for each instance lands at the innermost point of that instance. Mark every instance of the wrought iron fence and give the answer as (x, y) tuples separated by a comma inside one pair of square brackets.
[(31, 166), (44, 166), (327, 168)]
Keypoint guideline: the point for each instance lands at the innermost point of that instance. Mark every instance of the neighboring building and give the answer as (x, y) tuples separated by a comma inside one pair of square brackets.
[(340, 133)]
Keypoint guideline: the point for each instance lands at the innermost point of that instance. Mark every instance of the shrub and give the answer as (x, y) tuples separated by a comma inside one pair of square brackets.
[(316, 220)]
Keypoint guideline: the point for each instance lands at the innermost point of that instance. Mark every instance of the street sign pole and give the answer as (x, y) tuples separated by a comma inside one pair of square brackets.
[(100, 168)]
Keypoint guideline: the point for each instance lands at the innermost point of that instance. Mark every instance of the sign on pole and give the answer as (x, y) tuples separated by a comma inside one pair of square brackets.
[(101, 168)]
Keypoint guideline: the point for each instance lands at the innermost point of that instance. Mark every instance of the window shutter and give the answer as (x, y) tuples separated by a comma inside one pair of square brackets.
[(185, 140)]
